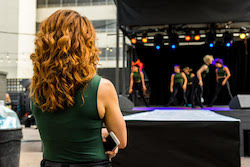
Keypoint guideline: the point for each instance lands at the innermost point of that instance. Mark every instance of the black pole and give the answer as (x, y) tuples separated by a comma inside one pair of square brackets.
[(117, 53), (123, 66)]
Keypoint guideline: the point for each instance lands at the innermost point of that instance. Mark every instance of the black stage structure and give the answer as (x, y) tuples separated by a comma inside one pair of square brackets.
[(158, 16)]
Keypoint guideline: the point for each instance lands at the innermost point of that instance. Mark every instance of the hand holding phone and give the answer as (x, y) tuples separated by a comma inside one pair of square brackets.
[(111, 143)]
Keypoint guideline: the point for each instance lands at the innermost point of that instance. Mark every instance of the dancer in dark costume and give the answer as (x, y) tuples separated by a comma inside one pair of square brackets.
[(178, 84), (197, 88), (137, 84), (190, 76), (222, 76)]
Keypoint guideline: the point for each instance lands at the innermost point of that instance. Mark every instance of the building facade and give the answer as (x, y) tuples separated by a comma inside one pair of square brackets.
[(23, 19)]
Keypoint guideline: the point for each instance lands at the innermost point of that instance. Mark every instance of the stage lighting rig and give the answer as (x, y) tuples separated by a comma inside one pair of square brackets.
[(173, 40), (210, 39), (158, 41), (228, 38), (144, 38)]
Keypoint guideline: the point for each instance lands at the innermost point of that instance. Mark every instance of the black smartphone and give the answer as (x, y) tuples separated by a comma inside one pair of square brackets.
[(111, 143)]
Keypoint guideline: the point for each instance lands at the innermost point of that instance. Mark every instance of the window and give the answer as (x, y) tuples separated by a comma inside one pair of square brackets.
[(104, 25), (69, 2), (54, 2), (83, 2), (41, 3), (99, 25), (37, 27)]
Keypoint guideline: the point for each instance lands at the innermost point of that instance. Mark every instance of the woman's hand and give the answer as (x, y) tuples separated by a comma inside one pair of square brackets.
[(224, 82), (130, 91), (112, 154), (171, 90), (144, 89), (184, 87), (201, 83)]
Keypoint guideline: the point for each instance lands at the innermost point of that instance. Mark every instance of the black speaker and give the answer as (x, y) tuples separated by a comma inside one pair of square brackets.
[(126, 105), (240, 102)]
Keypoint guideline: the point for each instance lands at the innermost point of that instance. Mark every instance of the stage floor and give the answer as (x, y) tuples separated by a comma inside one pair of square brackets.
[(151, 108)]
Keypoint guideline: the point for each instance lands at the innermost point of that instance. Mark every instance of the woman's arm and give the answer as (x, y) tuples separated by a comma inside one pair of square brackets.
[(108, 108), (217, 77), (228, 75), (131, 83), (192, 75), (143, 82), (185, 81), (172, 83), (203, 68)]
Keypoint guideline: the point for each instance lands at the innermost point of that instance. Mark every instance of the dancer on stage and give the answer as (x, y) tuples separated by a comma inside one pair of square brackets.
[(197, 88), (178, 84), (190, 76), (137, 83), (222, 76)]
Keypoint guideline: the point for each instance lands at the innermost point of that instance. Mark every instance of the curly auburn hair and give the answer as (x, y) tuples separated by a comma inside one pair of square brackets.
[(65, 58)]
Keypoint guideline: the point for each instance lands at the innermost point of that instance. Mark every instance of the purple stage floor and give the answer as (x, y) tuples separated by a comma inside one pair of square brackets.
[(215, 108)]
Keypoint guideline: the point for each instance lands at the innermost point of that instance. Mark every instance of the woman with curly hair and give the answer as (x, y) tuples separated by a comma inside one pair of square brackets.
[(70, 101)]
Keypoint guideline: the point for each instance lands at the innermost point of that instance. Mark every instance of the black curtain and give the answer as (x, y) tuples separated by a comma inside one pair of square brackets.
[(158, 65)]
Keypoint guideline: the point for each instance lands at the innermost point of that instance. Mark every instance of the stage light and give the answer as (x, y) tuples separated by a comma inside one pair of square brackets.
[(173, 46), (197, 37), (133, 40), (242, 36), (228, 44), (158, 41), (157, 47), (228, 38), (187, 38), (211, 45), (144, 40)]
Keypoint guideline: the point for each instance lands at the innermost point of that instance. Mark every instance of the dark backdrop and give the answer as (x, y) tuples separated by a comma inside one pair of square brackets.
[(158, 65)]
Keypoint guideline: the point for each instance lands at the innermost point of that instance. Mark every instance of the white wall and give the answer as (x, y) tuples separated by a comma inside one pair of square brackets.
[(27, 25), (9, 42)]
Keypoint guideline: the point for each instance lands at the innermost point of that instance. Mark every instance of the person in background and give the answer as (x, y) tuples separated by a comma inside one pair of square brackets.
[(8, 101), (190, 76), (197, 88), (178, 83), (70, 102), (137, 83), (222, 76)]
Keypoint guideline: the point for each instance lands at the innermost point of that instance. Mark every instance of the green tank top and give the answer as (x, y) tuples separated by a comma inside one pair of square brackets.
[(74, 134), (204, 73), (221, 72), (178, 78), (137, 77)]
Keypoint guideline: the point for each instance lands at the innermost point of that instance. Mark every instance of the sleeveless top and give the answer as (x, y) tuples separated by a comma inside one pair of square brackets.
[(137, 77), (178, 78), (204, 73), (73, 135), (221, 72), (189, 79)]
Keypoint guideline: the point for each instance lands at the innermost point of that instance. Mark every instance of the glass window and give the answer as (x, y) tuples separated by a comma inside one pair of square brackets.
[(41, 3), (54, 2), (37, 27), (99, 25), (110, 25), (69, 2), (84, 2), (99, 2)]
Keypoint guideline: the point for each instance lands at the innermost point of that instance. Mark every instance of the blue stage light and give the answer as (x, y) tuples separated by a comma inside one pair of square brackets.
[(228, 44), (173, 46), (157, 47), (211, 45)]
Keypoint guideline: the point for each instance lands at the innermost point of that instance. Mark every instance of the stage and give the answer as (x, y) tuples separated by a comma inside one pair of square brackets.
[(178, 136), (242, 114)]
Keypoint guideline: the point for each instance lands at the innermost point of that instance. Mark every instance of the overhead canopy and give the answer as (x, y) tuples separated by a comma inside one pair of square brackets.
[(134, 13)]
